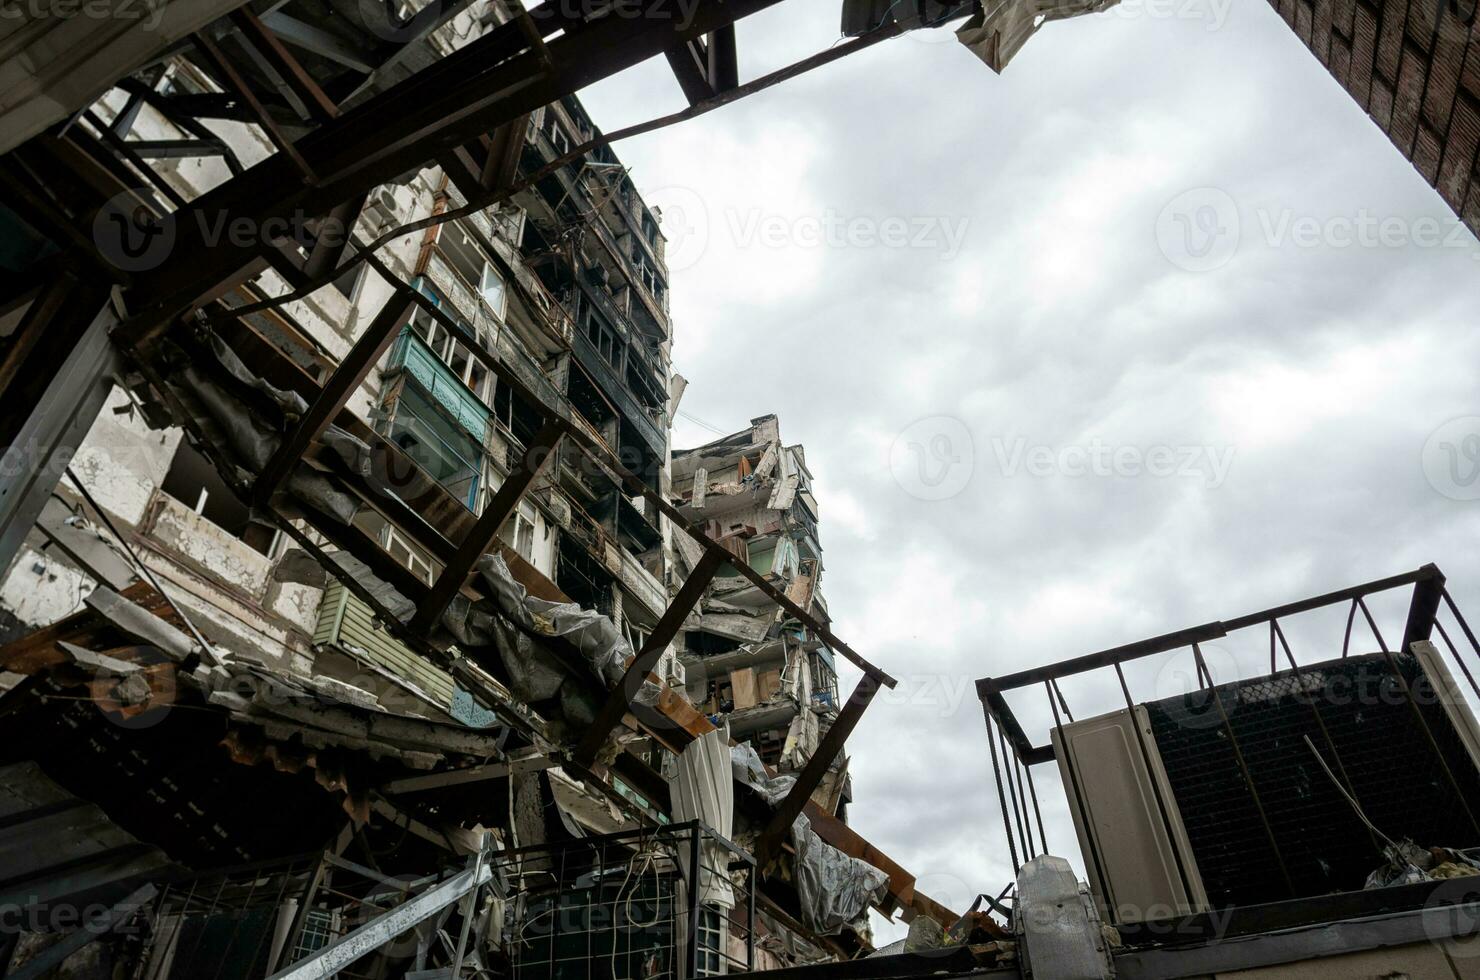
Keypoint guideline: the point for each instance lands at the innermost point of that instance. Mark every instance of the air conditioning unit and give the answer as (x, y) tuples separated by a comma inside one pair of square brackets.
[(1168, 824), (671, 671), (382, 212)]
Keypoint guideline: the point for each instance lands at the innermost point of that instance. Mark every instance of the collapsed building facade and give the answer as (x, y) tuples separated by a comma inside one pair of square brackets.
[(373, 566), (745, 661), (360, 618)]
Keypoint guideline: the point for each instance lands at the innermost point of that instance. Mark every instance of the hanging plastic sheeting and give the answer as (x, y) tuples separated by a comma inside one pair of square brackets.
[(595, 636), (746, 766), (704, 789), (835, 889)]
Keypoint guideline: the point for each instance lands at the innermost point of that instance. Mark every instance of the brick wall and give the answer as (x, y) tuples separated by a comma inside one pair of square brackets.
[(1414, 66)]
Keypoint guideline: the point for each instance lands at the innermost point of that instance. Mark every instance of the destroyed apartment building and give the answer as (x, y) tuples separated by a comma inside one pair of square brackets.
[(366, 625), (774, 685), (359, 619)]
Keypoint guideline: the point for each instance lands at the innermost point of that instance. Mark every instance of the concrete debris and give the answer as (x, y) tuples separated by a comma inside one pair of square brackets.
[(140, 624)]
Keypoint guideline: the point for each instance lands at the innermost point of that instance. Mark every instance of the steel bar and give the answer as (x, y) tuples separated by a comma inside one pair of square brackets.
[(992, 736), (690, 64), (1315, 707), (1201, 634), (232, 79), (769, 845), (347, 377), (528, 465), (1243, 766), (1012, 792), (1428, 733), (1454, 652), (332, 239), (724, 65), (378, 931), (128, 152), (288, 67), (1422, 608), (621, 697), (51, 432)]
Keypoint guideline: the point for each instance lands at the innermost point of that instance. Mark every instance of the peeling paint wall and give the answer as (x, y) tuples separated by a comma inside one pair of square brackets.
[(122, 461), (40, 589)]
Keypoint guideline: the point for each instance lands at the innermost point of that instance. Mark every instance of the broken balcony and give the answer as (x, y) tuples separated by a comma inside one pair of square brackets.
[(436, 419)]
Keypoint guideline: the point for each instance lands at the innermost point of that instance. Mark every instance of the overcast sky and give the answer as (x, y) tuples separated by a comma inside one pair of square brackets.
[(1151, 330)]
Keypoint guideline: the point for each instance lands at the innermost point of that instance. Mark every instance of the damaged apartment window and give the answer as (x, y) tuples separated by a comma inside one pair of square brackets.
[(518, 532), (408, 554), (194, 482), (453, 352), (438, 445), (348, 283)]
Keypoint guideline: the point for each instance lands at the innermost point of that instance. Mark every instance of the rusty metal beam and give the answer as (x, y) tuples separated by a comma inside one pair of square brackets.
[(1422, 608), (623, 695), (768, 847), (332, 237), (470, 92), (501, 165), (288, 67), (217, 60), (336, 391), (690, 64), (526, 469), (724, 61)]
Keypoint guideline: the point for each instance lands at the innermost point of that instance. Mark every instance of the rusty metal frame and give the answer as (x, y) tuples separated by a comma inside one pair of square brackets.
[(1429, 586), (1428, 596), (487, 85)]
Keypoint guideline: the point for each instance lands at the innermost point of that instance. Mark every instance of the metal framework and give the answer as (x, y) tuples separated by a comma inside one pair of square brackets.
[(1014, 755), (466, 111)]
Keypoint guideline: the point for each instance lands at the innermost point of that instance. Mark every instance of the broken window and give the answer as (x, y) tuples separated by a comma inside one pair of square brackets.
[(348, 282), (438, 445), (403, 551), (518, 532)]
